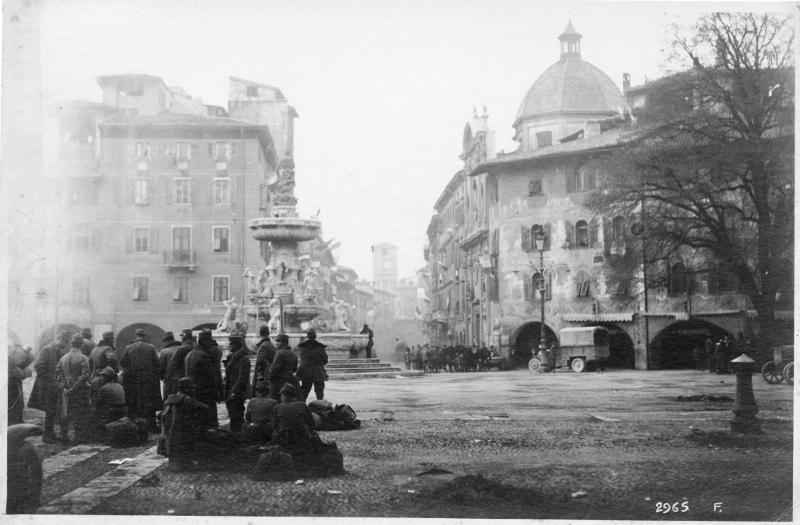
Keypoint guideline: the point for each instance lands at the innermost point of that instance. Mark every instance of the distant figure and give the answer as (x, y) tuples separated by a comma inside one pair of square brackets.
[(366, 330), (46, 392), (311, 371), (19, 368), (709, 354), (400, 351), (283, 367), (176, 368), (140, 379), (203, 369), (88, 341), (265, 354), (72, 375), (184, 423), (697, 357), (237, 381), (165, 356)]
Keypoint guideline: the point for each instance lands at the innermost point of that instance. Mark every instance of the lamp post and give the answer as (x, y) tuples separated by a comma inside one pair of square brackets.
[(539, 240)]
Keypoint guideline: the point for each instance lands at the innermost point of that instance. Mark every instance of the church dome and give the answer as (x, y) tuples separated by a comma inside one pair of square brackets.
[(571, 85)]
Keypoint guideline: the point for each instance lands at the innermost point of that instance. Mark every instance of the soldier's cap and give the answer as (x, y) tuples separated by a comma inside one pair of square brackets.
[(169, 336), (289, 390), (186, 333), (311, 334), (264, 330), (282, 338), (139, 332), (86, 332), (77, 340), (107, 336), (109, 373), (63, 334)]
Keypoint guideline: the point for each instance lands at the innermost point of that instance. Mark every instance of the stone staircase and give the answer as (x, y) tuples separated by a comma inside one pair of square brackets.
[(362, 368)]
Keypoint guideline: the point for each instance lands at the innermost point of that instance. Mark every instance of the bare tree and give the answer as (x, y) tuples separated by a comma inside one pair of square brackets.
[(712, 161)]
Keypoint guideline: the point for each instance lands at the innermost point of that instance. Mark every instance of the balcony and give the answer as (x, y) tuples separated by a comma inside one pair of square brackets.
[(180, 260)]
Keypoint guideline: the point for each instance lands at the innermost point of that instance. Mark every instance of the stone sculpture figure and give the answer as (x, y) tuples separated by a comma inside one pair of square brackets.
[(283, 189), (263, 281), (226, 323), (252, 285), (275, 316), (341, 312)]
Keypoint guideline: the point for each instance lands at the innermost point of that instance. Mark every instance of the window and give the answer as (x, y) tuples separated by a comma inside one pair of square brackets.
[(182, 191), (222, 192), (582, 234), (544, 138), (677, 279), (582, 284), (142, 149), (83, 238), (140, 285), (180, 289), (252, 91), (622, 287), (220, 285), (80, 290), (183, 150), (534, 187), (221, 235), (141, 240), (222, 150), (582, 179), (141, 193), (235, 149), (542, 285)]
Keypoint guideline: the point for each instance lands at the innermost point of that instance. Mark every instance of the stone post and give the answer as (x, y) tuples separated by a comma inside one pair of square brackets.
[(744, 408)]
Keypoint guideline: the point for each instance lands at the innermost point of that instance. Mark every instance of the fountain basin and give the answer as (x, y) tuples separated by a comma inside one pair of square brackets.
[(284, 229), (337, 345)]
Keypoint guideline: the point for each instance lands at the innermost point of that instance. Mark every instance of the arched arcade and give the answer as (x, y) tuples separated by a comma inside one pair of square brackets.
[(526, 341)]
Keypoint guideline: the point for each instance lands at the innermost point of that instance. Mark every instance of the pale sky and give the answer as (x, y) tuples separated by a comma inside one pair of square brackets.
[(383, 89)]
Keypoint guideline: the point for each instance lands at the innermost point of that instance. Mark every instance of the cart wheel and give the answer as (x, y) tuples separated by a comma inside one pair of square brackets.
[(535, 365), (578, 364), (788, 373), (771, 374)]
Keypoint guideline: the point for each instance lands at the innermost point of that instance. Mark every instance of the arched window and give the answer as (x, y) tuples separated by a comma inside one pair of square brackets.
[(582, 234), (677, 279), (618, 229)]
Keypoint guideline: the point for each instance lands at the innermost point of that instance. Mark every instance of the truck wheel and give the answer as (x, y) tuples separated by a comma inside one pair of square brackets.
[(788, 373), (535, 364), (771, 373), (578, 364)]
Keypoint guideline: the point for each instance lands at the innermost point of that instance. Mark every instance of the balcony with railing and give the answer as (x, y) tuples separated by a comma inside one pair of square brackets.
[(180, 260)]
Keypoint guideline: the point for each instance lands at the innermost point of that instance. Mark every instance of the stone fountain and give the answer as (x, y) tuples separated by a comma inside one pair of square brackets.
[(288, 293)]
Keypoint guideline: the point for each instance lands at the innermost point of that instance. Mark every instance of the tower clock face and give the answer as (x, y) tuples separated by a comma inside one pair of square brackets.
[(387, 265)]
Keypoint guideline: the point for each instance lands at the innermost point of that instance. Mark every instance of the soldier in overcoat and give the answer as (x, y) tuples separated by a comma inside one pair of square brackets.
[(283, 367), (237, 381), (46, 392), (313, 359), (140, 379)]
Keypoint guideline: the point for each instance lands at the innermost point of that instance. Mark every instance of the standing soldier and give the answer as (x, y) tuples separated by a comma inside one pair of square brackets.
[(88, 341), (45, 392), (283, 367), (165, 356), (176, 368), (312, 366), (19, 361), (709, 354), (265, 354), (370, 334), (203, 369), (237, 380), (140, 379), (72, 374), (103, 355)]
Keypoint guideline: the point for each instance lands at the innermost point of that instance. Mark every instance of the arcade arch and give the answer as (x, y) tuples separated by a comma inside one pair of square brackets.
[(672, 347), (49, 334), (526, 341), (153, 335), (621, 346)]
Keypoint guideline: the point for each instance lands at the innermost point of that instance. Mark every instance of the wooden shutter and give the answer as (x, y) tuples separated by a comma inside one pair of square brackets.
[(128, 239), (526, 238), (589, 178), (571, 181), (608, 235), (527, 287), (569, 229), (153, 240), (593, 232), (546, 228), (495, 247)]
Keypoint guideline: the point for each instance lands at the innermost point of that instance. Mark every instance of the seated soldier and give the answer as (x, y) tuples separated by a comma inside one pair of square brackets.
[(109, 403), (184, 423), (294, 425), (259, 416)]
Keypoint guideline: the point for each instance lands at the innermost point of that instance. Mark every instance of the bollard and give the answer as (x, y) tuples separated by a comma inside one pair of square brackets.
[(744, 409)]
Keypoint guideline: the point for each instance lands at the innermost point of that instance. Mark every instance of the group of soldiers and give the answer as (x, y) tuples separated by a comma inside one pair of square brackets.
[(715, 356), (83, 386), (456, 358)]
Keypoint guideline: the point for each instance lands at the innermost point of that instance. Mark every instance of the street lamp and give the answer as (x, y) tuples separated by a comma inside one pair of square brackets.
[(539, 242)]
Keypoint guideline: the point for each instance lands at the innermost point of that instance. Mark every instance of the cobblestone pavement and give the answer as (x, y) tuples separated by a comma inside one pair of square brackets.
[(512, 444)]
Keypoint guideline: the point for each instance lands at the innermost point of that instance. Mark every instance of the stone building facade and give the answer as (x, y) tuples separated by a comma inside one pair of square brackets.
[(510, 228)]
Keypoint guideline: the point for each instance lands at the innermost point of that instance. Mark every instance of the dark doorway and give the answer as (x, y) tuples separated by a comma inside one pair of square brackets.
[(154, 335), (527, 342), (49, 335), (621, 351), (672, 347)]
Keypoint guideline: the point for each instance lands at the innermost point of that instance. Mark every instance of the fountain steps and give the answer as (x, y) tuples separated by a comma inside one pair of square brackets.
[(340, 368)]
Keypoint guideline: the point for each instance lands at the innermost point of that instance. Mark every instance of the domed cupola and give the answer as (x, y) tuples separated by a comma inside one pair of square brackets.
[(567, 95)]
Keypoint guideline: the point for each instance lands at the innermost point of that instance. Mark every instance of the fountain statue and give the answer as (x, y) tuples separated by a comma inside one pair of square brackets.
[(296, 291)]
